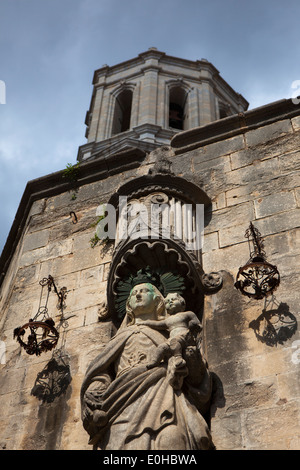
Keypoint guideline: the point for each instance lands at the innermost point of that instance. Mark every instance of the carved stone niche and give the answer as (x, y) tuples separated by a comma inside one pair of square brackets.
[(159, 240), (150, 388)]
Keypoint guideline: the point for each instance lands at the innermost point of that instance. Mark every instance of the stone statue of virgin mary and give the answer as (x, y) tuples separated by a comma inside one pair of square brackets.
[(127, 405)]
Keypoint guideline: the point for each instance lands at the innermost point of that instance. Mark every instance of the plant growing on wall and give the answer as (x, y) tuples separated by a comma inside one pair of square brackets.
[(71, 174), (95, 239)]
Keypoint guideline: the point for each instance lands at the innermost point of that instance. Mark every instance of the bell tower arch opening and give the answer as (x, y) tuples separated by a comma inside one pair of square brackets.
[(224, 109), (122, 112), (178, 108)]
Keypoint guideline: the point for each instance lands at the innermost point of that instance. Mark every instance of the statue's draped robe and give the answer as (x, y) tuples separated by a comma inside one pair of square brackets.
[(144, 411)]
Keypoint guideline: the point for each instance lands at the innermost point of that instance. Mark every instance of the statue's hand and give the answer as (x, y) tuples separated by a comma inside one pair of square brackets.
[(100, 418), (87, 415), (177, 371)]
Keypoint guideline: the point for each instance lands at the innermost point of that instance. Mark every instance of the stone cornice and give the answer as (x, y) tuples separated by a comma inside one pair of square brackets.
[(152, 59), (234, 125), (131, 138)]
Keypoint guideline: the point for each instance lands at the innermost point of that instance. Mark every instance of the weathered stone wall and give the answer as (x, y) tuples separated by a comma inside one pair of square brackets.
[(52, 244), (251, 176)]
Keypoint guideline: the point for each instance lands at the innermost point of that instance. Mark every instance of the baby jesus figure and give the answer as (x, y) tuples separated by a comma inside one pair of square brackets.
[(179, 324)]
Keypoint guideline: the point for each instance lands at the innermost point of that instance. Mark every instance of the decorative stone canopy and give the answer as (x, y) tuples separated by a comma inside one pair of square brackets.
[(162, 255)]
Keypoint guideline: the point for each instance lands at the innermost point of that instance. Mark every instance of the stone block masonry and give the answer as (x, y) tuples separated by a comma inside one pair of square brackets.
[(52, 245)]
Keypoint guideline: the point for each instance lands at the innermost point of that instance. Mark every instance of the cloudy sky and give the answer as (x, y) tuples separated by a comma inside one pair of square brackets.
[(49, 50)]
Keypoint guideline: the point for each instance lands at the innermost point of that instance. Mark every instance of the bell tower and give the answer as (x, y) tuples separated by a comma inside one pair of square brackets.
[(143, 102)]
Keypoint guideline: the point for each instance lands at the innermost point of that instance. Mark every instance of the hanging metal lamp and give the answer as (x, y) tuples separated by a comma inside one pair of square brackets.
[(39, 333), (257, 278)]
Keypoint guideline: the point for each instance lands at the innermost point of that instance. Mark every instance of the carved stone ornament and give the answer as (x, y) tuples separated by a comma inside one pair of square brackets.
[(212, 282), (103, 312)]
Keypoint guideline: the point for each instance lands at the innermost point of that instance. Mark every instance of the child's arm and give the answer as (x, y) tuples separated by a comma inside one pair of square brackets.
[(194, 321), (157, 324)]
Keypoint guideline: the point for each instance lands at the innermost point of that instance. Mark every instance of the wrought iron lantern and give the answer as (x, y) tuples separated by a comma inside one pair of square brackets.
[(39, 333), (257, 278)]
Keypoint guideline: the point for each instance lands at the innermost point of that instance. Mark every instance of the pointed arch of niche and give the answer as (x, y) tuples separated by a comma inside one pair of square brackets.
[(122, 98), (178, 104), (162, 255)]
